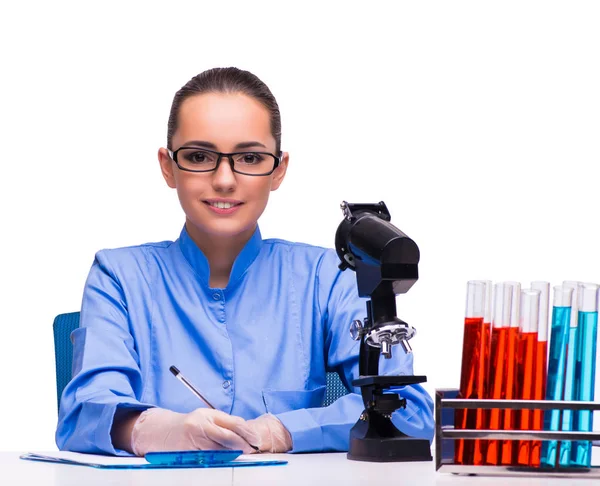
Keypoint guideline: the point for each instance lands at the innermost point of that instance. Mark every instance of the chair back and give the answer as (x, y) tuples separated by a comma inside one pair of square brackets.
[(63, 325), (335, 388)]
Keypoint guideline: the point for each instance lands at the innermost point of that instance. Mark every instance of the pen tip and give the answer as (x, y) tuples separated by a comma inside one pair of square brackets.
[(174, 370)]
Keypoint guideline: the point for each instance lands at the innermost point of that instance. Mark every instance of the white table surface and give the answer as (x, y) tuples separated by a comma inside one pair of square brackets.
[(302, 469)]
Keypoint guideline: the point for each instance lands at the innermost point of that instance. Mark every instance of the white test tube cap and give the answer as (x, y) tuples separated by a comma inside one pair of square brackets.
[(529, 310), (563, 296), (502, 305), (515, 313), (544, 288), (589, 298), (475, 305)]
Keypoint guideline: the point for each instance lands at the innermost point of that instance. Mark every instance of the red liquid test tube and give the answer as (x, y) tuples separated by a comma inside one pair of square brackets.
[(541, 367), (500, 327), (481, 416), (528, 338), (471, 354), (510, 372)]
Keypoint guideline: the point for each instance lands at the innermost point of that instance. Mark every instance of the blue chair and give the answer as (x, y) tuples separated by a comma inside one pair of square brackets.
[(64, 324), (335, 388)]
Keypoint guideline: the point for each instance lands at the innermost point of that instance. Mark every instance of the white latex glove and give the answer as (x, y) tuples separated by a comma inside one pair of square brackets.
[(268, 432), (158, 429)]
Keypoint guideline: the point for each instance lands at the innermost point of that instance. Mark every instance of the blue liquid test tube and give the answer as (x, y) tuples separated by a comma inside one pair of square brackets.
[(557, 359), (569, 417), (585, 370)]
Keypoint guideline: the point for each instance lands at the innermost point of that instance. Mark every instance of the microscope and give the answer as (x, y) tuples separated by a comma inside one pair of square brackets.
[(385, 261)]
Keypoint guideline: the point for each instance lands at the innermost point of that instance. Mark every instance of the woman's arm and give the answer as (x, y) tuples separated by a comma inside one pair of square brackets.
[(106, 370), (328, 428)]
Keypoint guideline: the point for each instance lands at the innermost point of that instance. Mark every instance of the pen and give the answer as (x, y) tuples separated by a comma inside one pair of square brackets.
[(180, 377)]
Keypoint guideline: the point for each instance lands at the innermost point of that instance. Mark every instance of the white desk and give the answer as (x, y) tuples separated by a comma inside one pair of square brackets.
[(303, 469)]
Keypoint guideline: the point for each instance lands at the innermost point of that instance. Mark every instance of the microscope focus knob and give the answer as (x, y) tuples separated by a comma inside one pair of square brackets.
[(356, 329)]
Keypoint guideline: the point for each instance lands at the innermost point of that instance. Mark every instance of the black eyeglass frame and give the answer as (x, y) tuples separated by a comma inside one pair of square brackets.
[(173, 155)]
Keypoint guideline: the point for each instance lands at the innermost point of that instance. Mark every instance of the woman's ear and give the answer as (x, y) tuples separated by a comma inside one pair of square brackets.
[(166, 167), (279, 173)]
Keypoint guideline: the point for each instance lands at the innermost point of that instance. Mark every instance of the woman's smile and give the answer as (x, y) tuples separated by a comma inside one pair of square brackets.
[(223, 206)]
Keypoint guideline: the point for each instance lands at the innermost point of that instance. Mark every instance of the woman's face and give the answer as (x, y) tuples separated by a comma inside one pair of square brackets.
[(225, 121)]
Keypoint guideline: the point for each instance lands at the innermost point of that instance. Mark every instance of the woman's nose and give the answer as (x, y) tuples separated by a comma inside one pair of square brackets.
[(223, 176)]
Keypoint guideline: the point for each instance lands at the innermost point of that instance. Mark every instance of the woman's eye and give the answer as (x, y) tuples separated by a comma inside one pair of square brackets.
[(197, 157), (251, 158)]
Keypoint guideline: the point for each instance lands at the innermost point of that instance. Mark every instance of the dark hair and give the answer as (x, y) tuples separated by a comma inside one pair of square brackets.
[(227, 80)]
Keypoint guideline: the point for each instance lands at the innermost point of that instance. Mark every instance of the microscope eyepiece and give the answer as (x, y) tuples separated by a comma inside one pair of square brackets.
[(366, 240)]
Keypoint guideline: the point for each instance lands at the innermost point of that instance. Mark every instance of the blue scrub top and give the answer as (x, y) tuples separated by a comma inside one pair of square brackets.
[(262, 344)]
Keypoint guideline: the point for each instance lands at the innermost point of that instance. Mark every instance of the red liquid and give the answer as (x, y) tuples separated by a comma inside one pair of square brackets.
[(510, 392), (539, 393), (479, 445), (527, 353), (469, 386), (496, 389)]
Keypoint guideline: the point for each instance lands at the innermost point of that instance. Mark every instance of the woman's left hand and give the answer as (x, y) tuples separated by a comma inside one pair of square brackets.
[(273, 436)]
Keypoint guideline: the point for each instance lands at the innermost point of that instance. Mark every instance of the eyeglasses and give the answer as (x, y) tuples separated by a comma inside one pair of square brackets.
[(194, 159)]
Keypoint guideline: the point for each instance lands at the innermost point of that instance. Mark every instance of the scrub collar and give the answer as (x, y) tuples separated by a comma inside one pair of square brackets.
[(199, 262)]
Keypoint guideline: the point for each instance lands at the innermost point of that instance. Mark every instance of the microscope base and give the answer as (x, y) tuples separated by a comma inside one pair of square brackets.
[(374, 438), (404, 449)]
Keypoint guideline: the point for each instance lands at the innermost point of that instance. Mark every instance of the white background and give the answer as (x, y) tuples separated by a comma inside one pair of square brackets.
[(476, 122)]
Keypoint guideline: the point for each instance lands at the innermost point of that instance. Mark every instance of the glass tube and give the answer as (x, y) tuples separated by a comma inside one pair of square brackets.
[(526, 352), (585, 370), (482, 373), (541, 354), (569, 418), (469, 383), (510, 372), (557, 359), (500, 326)]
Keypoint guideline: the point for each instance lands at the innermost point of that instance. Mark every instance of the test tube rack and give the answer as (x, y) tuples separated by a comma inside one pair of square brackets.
[(446, 402)]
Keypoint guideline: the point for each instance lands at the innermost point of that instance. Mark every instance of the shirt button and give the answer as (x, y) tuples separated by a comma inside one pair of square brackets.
[(226, 384), (216, 296)]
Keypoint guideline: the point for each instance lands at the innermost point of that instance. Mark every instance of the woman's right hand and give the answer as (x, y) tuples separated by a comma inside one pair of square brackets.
[(158, 429)]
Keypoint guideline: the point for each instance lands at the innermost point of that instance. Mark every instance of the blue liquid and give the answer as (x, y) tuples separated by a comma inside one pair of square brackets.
[(557, 360), (569, 417), (585, 374)]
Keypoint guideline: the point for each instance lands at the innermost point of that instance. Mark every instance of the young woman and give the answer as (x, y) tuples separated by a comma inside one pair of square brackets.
[(254, 324)]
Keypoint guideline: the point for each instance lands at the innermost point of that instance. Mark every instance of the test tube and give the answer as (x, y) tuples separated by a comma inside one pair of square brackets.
[(526, 351), (469, 382), (500, 326), (539, 382), (482, 373), (569, 418), (585, 370), (557, 362), (510, 369)]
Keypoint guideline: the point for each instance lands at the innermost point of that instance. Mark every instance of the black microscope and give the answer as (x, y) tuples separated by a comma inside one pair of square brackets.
[(385, 261)]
